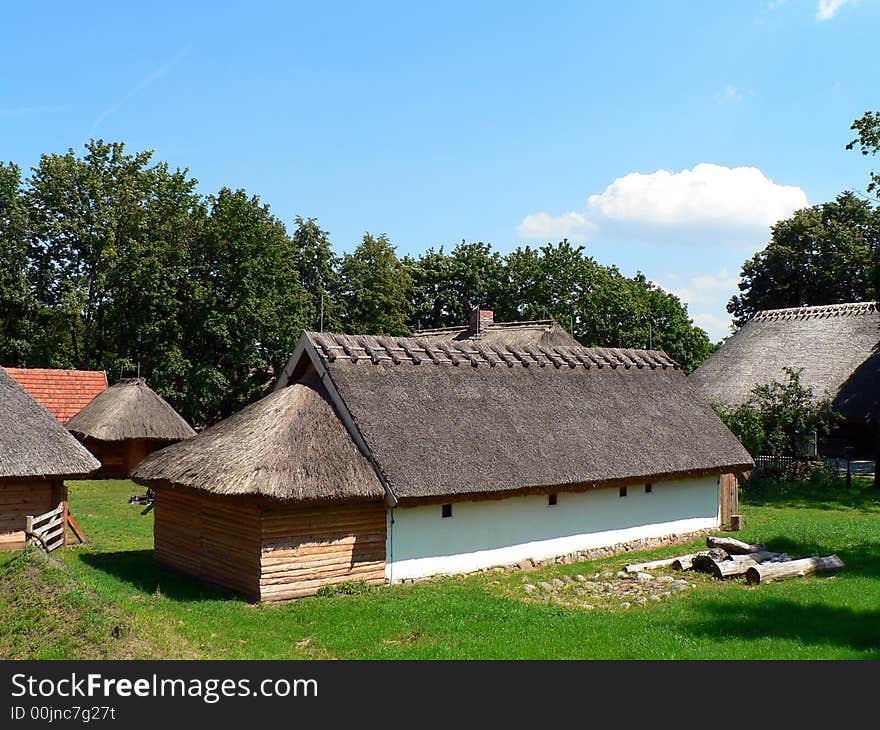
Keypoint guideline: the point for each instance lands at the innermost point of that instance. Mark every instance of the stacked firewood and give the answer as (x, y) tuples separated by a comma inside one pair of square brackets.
[(727, 557)]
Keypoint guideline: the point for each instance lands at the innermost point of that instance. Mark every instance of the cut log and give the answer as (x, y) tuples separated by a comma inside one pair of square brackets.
[(733, 565), (685, 562), (768, 572), (733, 546), (652, 564)]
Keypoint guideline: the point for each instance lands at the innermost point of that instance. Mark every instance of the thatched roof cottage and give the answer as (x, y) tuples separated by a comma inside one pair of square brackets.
[(836, 349), (125, 423), (390, 458), (63, 393), (36, 455)]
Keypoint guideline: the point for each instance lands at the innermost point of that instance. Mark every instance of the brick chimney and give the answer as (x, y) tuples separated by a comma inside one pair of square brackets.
[(480, 320)]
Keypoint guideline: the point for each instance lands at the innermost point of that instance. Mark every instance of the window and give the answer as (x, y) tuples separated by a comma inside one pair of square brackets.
[(623, 491), (649, 488), (552, 499), (446, 510)]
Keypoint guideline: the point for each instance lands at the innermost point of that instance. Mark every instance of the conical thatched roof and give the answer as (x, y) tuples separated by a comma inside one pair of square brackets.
[(289, 445), (32, 442), (835, 347), (130, 410)]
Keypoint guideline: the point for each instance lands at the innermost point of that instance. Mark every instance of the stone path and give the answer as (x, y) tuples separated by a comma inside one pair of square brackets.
[(607, 590)]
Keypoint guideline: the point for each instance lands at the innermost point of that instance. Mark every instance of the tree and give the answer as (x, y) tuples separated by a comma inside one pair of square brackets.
[(374, 289), (868, 128), (780, 417), (17, 304), (318, 268), (245, 306), (447, 287), (824, 254)]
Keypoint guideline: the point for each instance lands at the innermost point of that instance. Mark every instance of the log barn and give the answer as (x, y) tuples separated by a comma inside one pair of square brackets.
[(36, 455), (835, 348), (125, 423), (395, 458)]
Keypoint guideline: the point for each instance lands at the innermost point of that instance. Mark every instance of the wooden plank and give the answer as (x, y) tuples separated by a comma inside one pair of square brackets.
[(76, 529)]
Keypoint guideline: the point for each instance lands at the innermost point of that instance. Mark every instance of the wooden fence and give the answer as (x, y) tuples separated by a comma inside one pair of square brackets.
[(49, 528)]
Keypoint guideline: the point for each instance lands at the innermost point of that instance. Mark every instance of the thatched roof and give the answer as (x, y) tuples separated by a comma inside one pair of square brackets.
[(63, 393), (130, 409), (835, 347), (289, 445), (545, 332), (461, 417), (32, 442)]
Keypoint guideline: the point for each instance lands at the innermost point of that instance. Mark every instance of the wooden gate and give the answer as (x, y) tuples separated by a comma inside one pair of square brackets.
[(49, 528), (729, 498)]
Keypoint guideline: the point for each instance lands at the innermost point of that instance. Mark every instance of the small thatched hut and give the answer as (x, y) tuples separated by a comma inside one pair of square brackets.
[(390, 458), (36, 455), (125, 423), (835, 347)]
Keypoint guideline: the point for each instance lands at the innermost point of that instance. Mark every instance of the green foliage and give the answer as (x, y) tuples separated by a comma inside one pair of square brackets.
[(17, 302), (374, 288), (780, 417), (346, 588), (868, 140), (747, 425), (597, 304), (824, 254)]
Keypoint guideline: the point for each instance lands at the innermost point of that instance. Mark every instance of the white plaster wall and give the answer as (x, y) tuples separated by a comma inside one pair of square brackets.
[(490, 532)]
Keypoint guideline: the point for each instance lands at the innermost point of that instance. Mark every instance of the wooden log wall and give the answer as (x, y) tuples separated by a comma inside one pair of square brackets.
[(305, 548), (20, 498), (213, 537)]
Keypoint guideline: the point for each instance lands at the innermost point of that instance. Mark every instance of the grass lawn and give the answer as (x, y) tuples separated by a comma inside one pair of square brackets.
[(116, 601)]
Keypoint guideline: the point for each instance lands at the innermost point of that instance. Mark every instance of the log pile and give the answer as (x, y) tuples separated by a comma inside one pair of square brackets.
[(726, 557)]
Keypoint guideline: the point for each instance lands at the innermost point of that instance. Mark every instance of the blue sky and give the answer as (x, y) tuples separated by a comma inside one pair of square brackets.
[(666, 136)]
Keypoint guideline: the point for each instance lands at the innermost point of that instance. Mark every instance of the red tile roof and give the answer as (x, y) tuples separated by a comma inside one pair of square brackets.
[(64, 393)]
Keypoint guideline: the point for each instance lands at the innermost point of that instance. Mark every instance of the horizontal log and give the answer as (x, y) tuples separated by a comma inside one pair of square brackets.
[(654, 564), (768, 572), (295, 577), (732, 546)]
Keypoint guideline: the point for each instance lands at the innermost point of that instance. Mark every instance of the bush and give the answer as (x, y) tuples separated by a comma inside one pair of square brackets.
[(780, 418)]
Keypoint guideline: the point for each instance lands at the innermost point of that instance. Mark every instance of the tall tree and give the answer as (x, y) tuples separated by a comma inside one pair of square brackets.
[(318, 269), (824, 254), (246, 307), (374, 288), (17, 304), (446, 287), (868, 141)]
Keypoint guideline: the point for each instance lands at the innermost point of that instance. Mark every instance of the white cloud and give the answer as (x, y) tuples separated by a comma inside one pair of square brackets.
[(706, 296), (707, 204), (730, 95), (829, 8)]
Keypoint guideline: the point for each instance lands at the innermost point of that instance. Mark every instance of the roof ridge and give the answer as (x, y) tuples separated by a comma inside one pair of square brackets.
[(822, 310), (416, 350), (494, 325)]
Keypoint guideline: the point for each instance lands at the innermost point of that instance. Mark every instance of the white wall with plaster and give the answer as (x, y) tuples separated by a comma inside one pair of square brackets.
[(490, 532)]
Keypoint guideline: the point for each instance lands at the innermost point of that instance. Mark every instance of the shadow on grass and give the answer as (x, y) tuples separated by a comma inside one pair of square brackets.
[(834, 495), (139, 569), (817, 624)]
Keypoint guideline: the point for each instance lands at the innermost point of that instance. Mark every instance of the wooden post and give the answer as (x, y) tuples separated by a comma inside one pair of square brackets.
[(64, 509), (28, 529)]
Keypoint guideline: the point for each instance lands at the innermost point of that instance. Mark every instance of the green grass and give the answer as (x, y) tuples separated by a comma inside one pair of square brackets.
[(170, 615)]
